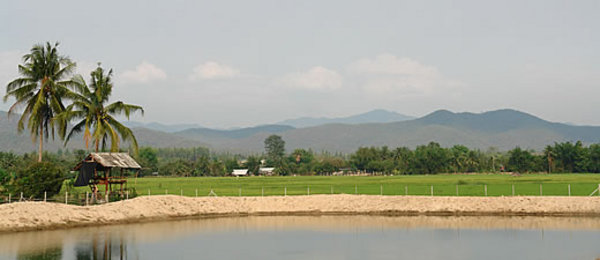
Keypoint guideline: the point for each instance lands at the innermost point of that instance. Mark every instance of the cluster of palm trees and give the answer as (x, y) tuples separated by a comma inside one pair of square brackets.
[(46, 82)]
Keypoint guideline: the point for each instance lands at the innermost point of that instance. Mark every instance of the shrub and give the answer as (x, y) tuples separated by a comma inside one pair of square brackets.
[(4, 178), (38, 178)]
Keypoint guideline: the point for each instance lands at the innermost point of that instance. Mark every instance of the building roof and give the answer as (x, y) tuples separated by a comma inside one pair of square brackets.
[(112, 160)]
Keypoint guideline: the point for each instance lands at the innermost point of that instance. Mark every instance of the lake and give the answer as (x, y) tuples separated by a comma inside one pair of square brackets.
[(318, 237)]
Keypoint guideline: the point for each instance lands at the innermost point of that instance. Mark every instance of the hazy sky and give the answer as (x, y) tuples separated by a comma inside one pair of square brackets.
[(240, 63)]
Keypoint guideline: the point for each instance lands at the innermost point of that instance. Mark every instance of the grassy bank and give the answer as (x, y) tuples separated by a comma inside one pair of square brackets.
[(443, 185)]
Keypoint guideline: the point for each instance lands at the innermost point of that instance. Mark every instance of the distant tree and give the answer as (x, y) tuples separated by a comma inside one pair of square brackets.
[(275, 149), (362, 157), (147, 157), (460, 156), (41, 90), (431, 159), (549, 154), (231, 164), (520, 160), (201, 166), (253, 165), (325, 167), (402, 157), (9, 161), (216, 168), (98, 119), (571, 157), (594, 159), (179, 167), (283, 168), (301, 156)]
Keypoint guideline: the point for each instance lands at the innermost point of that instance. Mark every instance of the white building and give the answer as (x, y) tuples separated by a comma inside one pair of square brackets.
[(266, 171), (240, 172)]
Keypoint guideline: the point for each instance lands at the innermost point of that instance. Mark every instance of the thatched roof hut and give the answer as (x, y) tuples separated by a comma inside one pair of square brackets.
[(110, 160), (94, 163)]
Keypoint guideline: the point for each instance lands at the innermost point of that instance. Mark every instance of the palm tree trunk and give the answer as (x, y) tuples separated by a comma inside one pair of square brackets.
[(97, 144), (41, 143)]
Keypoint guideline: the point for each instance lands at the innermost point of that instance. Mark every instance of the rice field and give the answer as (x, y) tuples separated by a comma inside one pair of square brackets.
[(426, 185)]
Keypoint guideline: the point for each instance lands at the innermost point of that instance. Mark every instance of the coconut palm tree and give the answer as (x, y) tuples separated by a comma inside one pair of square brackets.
[(97, 120), (41, 90)]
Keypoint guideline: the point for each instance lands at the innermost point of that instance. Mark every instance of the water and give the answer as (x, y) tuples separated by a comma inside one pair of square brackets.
[(325, 237)]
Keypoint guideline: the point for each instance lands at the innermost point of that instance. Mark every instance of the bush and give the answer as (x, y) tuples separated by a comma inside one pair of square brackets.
[(38, 178), (4, 178)]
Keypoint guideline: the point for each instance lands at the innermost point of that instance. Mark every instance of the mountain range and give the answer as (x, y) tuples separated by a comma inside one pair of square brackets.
[(503, 129)]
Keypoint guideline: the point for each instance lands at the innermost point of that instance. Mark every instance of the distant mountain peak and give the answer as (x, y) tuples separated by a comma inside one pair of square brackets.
[(494, 121), (373, 116)]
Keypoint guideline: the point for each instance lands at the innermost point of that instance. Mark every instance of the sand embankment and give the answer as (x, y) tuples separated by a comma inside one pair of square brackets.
[(38, 215)]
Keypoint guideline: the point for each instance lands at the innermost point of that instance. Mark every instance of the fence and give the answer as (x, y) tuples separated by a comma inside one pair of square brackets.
[(528, 189), (71, 198)]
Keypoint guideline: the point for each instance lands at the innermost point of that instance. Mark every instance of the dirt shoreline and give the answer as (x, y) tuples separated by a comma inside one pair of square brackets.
[(26, 216)]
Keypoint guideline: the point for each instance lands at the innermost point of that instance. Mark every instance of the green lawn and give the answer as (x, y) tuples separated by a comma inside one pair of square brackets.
[(443, 185)]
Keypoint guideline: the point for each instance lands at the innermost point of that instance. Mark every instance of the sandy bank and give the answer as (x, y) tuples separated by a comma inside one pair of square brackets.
[(39, 215)]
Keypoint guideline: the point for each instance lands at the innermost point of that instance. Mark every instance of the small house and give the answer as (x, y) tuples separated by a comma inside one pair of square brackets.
[(240, 172), (266, 171)]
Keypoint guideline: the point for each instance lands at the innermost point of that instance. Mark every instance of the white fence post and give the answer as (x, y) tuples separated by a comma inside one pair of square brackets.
[(406, 190), (331, 189), (307, 190), (196, 192), (9, 198), (381, 189), (87, 201), (456, 189), (513, 190), (21, 199), (166, 191), (541, 193), (45, 196), (432, 190), (148, 192), (66, 197), (262, 192), (485, 188), (127, 195), (569, 190), (285, 191), (180, 192)]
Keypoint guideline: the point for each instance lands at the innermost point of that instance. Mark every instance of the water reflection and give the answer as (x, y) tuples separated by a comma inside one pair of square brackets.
[(317, 237), (46, 254), (101, 248)]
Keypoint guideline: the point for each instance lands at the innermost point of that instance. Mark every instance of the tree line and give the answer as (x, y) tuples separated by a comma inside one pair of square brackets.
[(432, 158), (22, 172)]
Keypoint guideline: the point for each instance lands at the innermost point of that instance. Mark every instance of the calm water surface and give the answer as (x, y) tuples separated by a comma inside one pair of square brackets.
[(325, 237)]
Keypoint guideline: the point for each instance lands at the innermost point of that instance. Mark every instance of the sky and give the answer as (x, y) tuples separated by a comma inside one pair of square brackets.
[(242, 63)]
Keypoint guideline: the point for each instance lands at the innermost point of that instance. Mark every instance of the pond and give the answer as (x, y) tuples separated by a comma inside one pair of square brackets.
[(318, 237)]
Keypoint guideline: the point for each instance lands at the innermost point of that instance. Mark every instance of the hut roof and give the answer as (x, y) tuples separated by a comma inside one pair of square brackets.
[(111, 160)]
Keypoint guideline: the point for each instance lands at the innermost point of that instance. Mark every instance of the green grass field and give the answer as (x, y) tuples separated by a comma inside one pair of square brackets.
[(443, 185)]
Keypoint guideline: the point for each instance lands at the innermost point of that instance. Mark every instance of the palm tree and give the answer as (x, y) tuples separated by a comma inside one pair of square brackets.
[(549, 154), (41, 89), (97, 120)]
